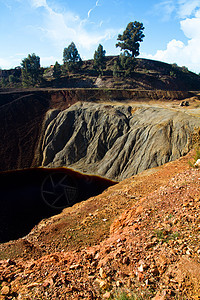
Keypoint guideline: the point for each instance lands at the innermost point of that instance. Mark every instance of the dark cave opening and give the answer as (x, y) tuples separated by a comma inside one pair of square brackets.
[(30, 195)]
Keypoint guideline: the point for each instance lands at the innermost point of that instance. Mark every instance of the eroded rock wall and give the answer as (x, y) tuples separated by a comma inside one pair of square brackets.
[(20, 126), (115, 141)]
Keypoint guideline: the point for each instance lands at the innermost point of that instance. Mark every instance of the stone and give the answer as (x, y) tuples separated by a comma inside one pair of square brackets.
[(107, 295), (140, 268), (197, 163), (102, 273), (10, 262), (160, 296), (32, 285), (5, 290), (126, 260), (118, 283), (104, 285), (76, 266)]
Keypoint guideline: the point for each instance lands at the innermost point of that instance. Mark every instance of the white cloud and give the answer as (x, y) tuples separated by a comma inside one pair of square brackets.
[(184, 54), (63, 28), (165, 9), (39, 3), (91, 9), (170, 54), (47, 60), (11, 62), (186, 8), (183, 8), (191, 27), (4, 64)]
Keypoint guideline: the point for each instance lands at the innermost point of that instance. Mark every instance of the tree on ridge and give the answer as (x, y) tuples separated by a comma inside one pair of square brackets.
[(99, 59), (71, 57), (131, 37)]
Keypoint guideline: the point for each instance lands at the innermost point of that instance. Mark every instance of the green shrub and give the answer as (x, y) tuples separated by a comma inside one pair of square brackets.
[(124, 296)]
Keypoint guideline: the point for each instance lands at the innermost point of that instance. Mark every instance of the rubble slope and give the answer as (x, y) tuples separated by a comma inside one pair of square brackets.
[(152, 250)]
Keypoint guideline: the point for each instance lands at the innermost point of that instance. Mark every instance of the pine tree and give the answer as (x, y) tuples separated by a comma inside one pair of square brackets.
[(71, 57), (99, 59), (57, 70), (31, 70), (131, 37)]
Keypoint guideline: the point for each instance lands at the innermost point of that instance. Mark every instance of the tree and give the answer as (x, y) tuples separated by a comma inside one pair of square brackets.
[(127, 63), (57, 70), (71, 57), (3, 82), (99, 59), (31, 70), (124, 65), (116, 69), (131, 37), (12, 79)]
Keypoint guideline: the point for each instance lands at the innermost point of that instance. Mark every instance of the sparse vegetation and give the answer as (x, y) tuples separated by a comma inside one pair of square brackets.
[(173, 74), (31, 70), (124, 296), (136, 295), (99, 59), (125, 66), (3, 82), (164, 236), (57, 70)]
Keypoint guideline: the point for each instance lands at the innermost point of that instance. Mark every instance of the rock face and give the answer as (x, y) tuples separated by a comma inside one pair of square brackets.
[(22, 114), (115, 141), (21, 117)]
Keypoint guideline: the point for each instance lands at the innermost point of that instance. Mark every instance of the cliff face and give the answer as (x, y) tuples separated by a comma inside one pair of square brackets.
[(20, 122), (115, 141), (22, 114)]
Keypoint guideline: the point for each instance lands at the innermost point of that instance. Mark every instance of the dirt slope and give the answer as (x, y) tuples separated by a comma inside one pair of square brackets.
[(152, 248), (148, 75)]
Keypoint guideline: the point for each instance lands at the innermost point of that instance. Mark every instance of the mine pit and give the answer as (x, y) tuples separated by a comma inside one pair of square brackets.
[(30, 195)]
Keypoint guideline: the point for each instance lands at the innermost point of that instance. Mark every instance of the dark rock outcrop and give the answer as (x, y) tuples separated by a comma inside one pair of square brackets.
[(20, 125), (115, 141)]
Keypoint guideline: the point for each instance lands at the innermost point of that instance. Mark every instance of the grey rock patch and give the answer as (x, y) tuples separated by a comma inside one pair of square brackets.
[(115, 141)]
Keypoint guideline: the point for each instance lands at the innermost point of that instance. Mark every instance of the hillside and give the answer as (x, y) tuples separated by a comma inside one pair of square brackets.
[(147, 75), (152, 249)]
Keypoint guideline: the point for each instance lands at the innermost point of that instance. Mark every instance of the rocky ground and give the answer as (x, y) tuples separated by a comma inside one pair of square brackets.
[(150, 250)]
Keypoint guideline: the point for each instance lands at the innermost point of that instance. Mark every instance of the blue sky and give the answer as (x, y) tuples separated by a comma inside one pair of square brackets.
[(45, 27)]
